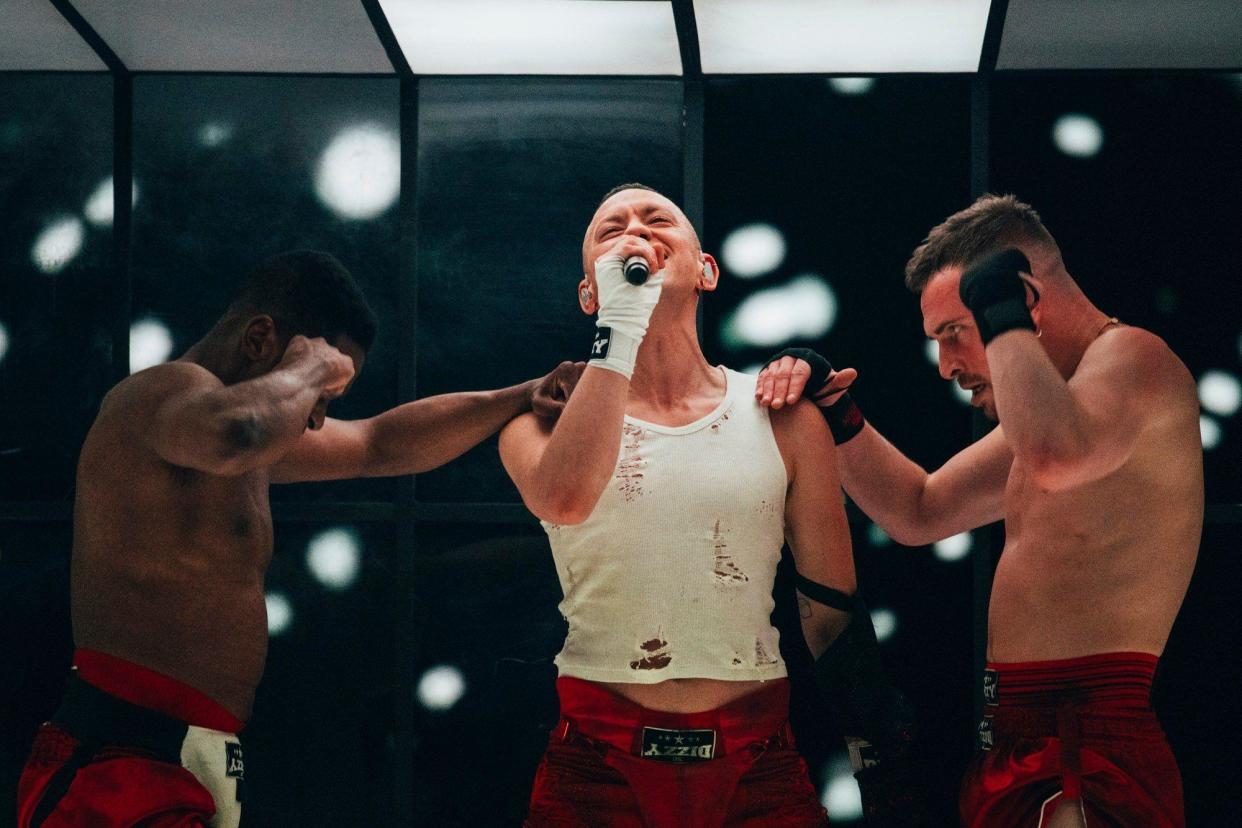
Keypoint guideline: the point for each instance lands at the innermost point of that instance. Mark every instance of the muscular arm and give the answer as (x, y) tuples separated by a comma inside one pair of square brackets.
[(1069, 433), (202, 424), (409, 439), (562, 470), (915, 507), (816, 528)]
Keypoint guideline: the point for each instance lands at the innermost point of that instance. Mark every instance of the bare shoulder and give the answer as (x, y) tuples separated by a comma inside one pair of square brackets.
[(1141, 359), (800, 430), (147, 390), (802, 419)]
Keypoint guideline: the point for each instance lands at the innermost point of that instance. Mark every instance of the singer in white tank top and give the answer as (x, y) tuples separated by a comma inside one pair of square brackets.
[(671, 575), (667, 492)]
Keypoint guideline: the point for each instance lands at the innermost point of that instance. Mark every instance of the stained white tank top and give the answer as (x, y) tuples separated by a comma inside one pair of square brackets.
[(671, 575)]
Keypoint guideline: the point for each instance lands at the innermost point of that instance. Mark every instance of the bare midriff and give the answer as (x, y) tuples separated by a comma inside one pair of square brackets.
[(1100, 567), (687, 695), (168, 565)]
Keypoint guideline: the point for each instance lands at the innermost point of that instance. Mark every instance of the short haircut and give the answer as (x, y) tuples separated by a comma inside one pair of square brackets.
[(993, 222), (310, 293), (633, 185)]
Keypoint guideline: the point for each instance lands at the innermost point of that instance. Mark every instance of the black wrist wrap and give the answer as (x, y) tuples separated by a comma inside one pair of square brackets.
[(845, 418)]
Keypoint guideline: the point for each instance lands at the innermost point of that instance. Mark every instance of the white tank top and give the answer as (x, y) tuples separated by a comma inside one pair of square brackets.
[(671, 575)]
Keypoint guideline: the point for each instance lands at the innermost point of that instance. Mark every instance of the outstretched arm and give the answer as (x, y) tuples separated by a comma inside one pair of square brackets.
[(419, 435), (913, 506)]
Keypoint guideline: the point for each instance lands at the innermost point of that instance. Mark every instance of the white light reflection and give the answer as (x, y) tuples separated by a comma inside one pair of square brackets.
[(359, 174), (58, 244), (753, 250), (806, 307), (279, 613), (4, 341), (840, 794), (1220, 392), (99, 206), (885, 623), (334, 557), (214, 134), (1078, 136), (441, 687), (851, 86), (150, 343), (954, 547), (1209, 432)]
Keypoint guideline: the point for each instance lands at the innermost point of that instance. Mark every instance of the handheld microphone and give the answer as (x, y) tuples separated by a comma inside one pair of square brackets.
[(636, 272)]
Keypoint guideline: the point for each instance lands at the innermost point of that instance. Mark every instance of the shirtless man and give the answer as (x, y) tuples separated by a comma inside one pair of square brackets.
[(667, 493), (1096, 469), (173, 535)]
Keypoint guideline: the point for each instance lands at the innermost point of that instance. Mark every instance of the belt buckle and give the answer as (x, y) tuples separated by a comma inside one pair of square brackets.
[(678, 746)]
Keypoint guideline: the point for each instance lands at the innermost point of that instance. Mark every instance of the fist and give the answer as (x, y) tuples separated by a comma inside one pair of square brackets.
[(335, 369), (797, 372), (550, 394), (994, 291)]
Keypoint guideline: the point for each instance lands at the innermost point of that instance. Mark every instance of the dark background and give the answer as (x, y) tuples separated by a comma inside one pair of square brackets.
[(506, 175)]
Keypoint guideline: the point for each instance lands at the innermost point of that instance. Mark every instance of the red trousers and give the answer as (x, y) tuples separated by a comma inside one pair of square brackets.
[(111, 756), (118, 787), (598, 768), (1081, 728)]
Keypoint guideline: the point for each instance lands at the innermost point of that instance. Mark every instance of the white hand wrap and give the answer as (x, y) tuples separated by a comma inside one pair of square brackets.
[(624, 311)]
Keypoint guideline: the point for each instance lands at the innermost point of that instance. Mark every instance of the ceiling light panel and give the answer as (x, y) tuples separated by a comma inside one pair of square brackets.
[(238, 35), (536, 37), (856, 37), (34, 36), (1121, 34)]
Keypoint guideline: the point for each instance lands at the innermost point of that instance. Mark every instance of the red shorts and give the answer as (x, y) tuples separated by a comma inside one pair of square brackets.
[(612, 762), (112, 753), (1082, 728)]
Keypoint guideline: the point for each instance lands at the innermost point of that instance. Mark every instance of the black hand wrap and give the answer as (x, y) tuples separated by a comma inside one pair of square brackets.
[(875, 717), (844, 417), (996, 294)]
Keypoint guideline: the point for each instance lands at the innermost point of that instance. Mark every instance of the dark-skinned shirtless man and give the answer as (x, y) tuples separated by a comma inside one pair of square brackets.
[(173, 535), (1096, 469)]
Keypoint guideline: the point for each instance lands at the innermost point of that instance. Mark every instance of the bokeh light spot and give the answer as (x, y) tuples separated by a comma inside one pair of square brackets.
[(851, 86), (1220, 393), (279, 613), (334, 557), (150, 343), (753, 250), (1078, 136), (954, 547), (58, 244), (359, 174), (441, 687)]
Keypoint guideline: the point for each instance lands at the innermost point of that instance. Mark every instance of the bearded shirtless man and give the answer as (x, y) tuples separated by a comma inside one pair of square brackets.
[(1096, 469), (173, 535)]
